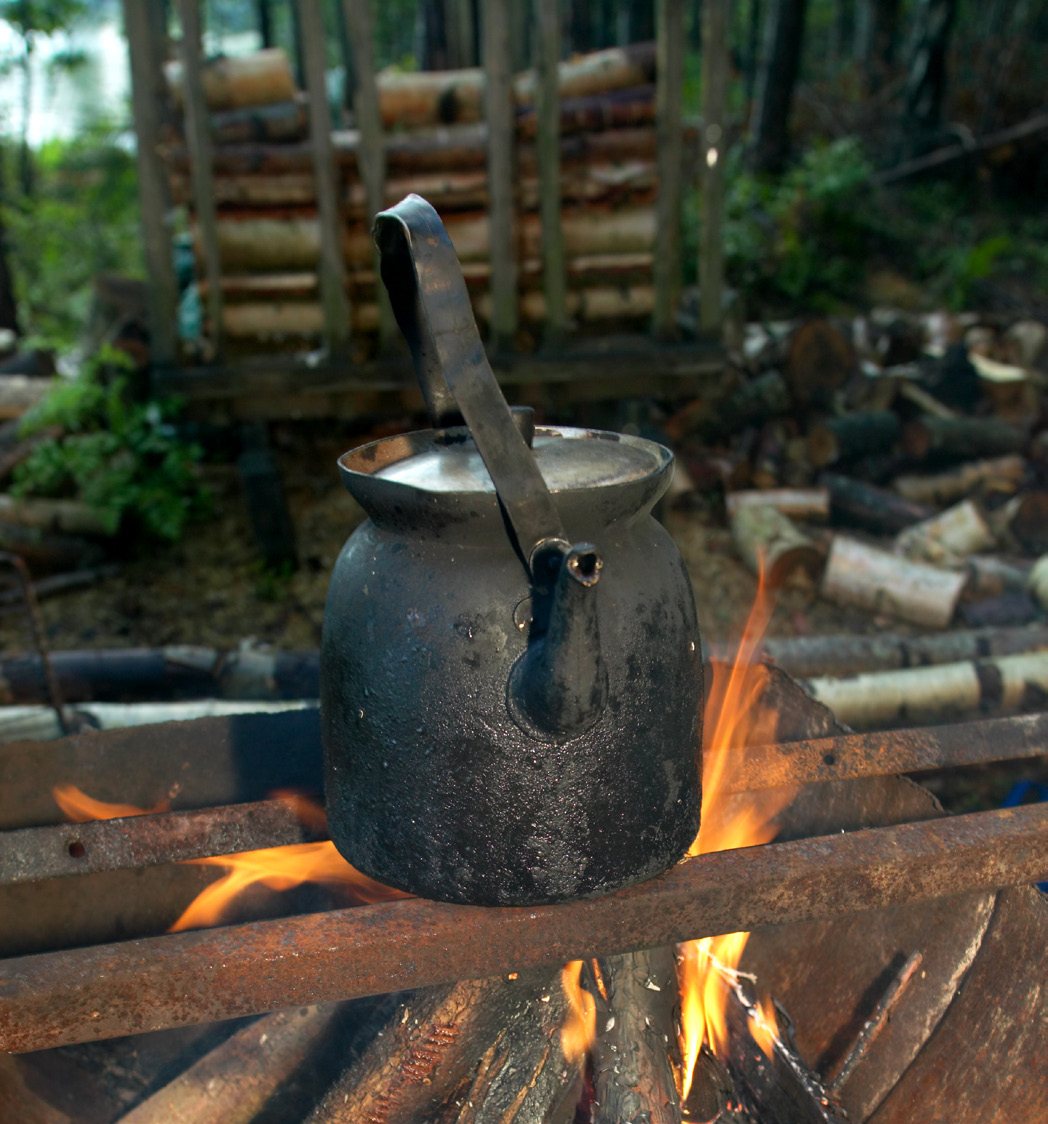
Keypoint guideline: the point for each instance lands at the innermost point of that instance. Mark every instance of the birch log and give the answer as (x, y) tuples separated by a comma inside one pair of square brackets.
[(998, 473), (880, 582), (810, 504), (766, 539), (947, 538), (849, 654), (1003, 685)]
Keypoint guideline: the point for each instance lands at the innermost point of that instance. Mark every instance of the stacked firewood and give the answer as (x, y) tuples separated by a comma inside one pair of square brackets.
[(897, 464), (436, 145)]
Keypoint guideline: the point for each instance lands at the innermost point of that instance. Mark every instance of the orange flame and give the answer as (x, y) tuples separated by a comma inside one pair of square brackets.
[(78, 807), (764, 1025), (580, 1028), (277, 868), (734, 718)]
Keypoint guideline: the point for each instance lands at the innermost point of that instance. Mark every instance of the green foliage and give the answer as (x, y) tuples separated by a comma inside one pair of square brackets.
[(42, 17), (801, 239), (122, 457), (82, 220)]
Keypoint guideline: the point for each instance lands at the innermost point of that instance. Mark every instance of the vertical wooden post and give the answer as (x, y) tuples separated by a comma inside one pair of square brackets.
[(669, 132), (154, 196), (711, 210), (332, 275), (500, 110), (198, 138), (461, 33), (371, 155), (547, 107)]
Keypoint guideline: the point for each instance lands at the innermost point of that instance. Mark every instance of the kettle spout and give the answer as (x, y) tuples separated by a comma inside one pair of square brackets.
[(559, 687)]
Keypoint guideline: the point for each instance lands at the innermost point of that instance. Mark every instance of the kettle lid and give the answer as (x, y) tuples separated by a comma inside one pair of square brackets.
[(568, 458)]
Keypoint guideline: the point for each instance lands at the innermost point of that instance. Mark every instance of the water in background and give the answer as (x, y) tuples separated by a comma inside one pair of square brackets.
[(63, 102)]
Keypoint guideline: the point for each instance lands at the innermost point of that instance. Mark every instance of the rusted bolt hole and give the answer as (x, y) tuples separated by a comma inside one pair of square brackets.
[(829, 759), (76, 849)]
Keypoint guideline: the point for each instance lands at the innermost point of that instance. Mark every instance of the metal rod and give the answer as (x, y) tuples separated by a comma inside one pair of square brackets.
[(35, 853), (32, 854), (57, 998), (887, 752), (873, 1026)]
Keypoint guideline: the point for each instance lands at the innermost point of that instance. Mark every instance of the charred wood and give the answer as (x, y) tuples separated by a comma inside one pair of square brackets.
[(426, 1051), (232, 1083), (944, 439), (855, 503), (852, 435), (523, 1076), (632, 1074)]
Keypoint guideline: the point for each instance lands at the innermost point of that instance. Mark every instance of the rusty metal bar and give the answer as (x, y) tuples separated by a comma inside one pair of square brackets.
[(887, 752), (53, 999), (34, 853)]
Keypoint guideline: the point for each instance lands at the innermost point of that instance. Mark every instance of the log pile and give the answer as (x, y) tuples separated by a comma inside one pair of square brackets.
[(436, 145), (899, 467)]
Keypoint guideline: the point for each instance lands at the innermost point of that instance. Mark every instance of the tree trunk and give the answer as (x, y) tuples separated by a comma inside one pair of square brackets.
[(926, 82), (784, 35), (880, 49)]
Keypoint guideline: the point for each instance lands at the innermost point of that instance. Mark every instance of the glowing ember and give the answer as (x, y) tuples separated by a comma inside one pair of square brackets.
[(734, 718), (277, 868), (78, 807), (579, 1030)]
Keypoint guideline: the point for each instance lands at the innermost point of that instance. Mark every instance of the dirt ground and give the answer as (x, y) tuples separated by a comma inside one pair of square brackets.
[(211, 589)]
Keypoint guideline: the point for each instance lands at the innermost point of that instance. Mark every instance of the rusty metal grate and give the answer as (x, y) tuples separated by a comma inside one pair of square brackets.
[(110, 989)]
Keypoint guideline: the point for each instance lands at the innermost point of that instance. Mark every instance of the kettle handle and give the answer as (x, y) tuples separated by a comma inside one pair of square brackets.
[(426, 288)]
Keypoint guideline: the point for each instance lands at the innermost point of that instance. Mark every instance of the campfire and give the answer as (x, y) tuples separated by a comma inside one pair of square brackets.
[(556, 1018)]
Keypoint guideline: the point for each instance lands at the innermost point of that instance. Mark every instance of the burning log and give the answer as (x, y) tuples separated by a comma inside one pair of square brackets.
[(524, 1077), (847, 654), (632, 1073), (428, 1049), (998, 685), (946, 439), (948, 538), (852, 435), (767, 540), (1000, 474), (233, 1082), (872, 579), (858, 504)]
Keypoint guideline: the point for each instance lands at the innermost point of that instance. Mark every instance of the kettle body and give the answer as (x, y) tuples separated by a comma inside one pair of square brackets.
[(510, 664), (437, 782)]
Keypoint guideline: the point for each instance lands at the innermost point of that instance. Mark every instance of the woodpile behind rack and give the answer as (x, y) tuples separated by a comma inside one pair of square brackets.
[(268, 230), (896, 465)]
